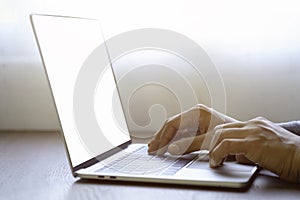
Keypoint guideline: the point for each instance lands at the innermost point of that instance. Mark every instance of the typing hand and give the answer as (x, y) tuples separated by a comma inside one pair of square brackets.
[(259, 141), (189, 131)]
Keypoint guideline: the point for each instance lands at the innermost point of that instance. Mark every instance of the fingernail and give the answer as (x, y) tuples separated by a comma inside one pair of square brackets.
[(151, 152), (213, 163), (174, 149)]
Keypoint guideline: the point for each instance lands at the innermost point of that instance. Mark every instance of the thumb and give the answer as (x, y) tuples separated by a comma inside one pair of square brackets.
[(241, 158), (186, 145)]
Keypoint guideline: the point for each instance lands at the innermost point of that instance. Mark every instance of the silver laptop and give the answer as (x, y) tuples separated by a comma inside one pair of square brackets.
[(92, 121)]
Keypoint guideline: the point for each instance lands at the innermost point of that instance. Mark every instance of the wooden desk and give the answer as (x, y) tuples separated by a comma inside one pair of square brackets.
[(34, 166)]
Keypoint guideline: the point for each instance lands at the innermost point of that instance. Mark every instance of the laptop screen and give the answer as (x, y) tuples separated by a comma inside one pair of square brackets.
[(82, 84)]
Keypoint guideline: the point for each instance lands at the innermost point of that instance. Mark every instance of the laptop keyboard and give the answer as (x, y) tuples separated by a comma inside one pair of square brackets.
[(140, 163)]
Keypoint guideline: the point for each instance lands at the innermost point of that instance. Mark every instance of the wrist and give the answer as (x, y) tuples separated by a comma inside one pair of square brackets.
[(292, 171), (296, 165), (290, 168)]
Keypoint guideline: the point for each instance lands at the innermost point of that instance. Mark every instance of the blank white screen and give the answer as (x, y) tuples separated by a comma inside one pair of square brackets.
[(65, 44)]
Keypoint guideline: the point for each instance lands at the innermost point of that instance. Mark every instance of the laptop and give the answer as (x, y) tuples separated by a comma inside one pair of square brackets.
[(98, 144)]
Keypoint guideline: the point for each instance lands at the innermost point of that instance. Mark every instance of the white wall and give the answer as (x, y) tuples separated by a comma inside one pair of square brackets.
[(254, 44)]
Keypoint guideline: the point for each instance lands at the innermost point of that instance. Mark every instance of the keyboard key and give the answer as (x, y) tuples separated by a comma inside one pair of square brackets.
[(139, 162)]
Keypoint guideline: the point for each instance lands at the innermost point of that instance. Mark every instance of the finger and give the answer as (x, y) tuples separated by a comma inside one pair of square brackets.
[(228, 133), (187, 120), (230, 125), (154, 143), (152, 146), (220, 132), (168, 132), (241, 158), (225, 148), (186, 145)]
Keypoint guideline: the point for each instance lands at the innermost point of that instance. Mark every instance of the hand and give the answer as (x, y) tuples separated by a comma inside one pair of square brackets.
[(195, 125), (261, 142)]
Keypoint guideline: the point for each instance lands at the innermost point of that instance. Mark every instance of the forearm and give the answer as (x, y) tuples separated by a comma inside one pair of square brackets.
[(294, 171), (293, 126)]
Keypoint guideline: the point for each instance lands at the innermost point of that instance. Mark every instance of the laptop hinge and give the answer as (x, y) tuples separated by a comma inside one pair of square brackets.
[(101, 157)]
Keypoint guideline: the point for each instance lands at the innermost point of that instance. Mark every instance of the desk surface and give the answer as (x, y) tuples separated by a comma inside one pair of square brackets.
[(34, 166)]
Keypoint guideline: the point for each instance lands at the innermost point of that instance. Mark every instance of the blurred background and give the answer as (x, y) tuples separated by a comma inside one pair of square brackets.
[(255, 45)]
